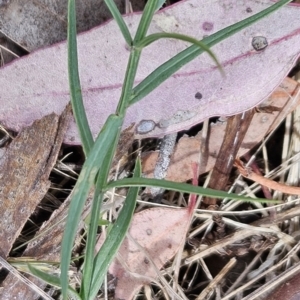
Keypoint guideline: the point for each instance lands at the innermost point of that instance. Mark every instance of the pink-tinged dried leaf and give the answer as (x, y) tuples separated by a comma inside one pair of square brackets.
[(160, 231), (38, 84), (187, 149), (290, 290)]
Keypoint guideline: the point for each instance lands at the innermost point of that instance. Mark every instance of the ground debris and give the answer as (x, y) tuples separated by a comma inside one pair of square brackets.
[(24, 171)]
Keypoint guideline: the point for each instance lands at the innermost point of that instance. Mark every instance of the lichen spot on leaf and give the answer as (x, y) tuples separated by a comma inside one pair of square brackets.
[(145, 126), (259, 43)]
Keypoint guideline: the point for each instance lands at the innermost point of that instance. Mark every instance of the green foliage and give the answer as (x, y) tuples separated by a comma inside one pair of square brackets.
[(99, 154)]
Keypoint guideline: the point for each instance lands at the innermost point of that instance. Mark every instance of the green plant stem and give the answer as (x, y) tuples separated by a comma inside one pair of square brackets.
[(128, 81)]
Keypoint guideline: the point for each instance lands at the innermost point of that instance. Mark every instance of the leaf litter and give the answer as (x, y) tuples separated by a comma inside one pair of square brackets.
[(155, 237), (26, 165), (41, 83), (45, 22), (283, 101), (290, 241), (25, 168)]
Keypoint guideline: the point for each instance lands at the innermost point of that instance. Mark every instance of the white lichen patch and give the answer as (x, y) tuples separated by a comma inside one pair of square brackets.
[(180, 116), (166, 23), (145, 126)]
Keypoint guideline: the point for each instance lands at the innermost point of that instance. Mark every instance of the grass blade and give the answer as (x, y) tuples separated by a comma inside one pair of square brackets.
[(160, 4), (115, 237), (156, 36), (93, 225), (74, 82), (52, 280), (167, 69), (102, 151), (118, 17), (149, 10), (91, 242), (182, 187)]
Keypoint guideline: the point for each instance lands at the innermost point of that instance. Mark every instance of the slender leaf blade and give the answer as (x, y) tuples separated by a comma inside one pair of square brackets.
[(156, 36), (94, 220), (74, 82), (181, 187), (160, 4), (118, 17), (104, 147), (129, 81), (167, 69), (115, 237), (52, 280), (91, 242), (149, 10)]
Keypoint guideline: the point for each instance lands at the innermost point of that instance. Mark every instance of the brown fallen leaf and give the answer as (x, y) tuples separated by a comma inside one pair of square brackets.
[(24, 171), (36, 17), (45, 246), (154, 237), (187, 149), (160, 232)]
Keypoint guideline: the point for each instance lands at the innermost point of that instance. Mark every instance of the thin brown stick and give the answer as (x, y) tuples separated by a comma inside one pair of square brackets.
[(247, 173), (236, 129)]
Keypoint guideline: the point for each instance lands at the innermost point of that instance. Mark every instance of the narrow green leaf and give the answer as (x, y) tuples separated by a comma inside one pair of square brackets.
[(91, 242), (167, 69), (120, 21), (101, 222), (52, 280), (156, 36), (74, 82), (149, 10), (115, 237), (182, 187), (160, 4), (93, 226), (102, 150)]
